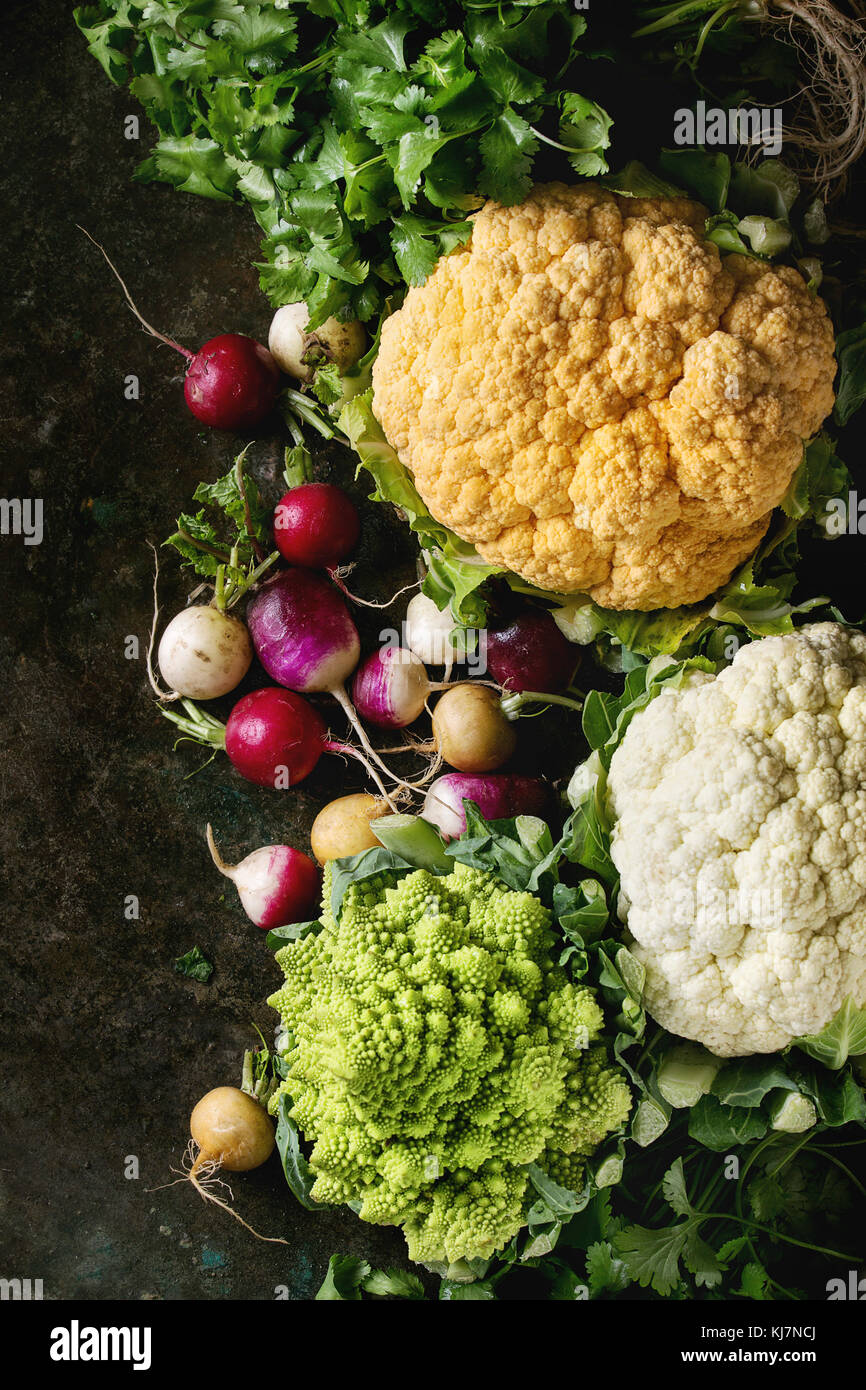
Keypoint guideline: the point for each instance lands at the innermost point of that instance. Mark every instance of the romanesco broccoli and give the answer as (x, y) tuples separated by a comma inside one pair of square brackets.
[(436, 1050)]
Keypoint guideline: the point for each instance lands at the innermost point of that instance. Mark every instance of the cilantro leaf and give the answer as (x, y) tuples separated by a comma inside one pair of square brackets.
[(507, 148)]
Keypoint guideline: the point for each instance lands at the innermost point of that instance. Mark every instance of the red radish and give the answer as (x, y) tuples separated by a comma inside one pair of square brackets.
[(305, 639), (531, 654), (497, 797), (316, 525), (231, 383), (391, 688), (274, 729), (273, 737), (276, 884)]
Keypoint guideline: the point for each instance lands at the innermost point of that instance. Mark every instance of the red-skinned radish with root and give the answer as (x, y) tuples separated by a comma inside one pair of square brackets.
[(231, 383), (305, 639), (273, 737)]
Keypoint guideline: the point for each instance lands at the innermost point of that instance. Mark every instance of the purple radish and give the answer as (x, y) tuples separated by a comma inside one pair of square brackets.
[(531, 654), (277, 885), (497, 797), (305, 639)]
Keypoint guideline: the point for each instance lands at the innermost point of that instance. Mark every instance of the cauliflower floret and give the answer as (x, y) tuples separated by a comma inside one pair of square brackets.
[(597, 400), (437, 1049), (740, 838)]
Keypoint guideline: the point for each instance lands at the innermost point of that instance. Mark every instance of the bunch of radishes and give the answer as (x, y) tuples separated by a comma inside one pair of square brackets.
[(298, 625)]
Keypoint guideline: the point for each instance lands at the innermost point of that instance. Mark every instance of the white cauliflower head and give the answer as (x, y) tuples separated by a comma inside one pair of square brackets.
[(739, 804)]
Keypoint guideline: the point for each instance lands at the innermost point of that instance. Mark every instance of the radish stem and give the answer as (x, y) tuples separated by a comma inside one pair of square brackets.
[(512, 705)]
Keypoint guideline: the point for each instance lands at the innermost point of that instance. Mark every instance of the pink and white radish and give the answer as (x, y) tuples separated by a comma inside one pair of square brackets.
[(204, 653), (497, 797), (470, 731), (231, 383), (276, 884), (531, 654), (391, 688), (316, 525)]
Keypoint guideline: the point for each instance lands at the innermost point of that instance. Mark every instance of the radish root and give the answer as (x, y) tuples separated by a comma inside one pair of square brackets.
[(161, 694), (348, 708), (202, 1173), (832, 49), (342, 572), (422, 748)]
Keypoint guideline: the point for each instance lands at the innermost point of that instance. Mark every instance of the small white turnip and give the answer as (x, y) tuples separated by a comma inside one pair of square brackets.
[(428, 632), (290, 342), (204, 653)]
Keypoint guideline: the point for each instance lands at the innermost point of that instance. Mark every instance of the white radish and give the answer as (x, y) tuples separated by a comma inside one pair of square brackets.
[(204, 653), (428, 632), (290, 342)]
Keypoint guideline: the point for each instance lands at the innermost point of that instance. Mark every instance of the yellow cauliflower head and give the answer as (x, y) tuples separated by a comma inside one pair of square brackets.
[(597, 400)]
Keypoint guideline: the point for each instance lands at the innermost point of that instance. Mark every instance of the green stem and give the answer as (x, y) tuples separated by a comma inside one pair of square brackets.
[(511, 705), (303, 407), (415, 840), (777, 1235), (242, 489), (555, 144), (198, 726), (240, 588), (199, 544), (843, 1167), (671, 15)]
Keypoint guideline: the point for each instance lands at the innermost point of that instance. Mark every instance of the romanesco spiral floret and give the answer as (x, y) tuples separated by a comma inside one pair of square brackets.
[(437, 1049)]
